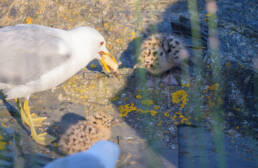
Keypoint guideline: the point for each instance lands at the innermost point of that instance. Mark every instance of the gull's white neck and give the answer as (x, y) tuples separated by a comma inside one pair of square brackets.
[(82, 51)]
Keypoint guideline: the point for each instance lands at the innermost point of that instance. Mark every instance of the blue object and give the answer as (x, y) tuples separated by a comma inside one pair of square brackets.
[(102, 154)]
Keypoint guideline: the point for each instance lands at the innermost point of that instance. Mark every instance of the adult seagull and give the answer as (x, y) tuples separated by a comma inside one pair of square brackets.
[(35, 58)]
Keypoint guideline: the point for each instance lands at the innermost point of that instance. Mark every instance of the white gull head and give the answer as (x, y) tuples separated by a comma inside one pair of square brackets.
[(87, 40)]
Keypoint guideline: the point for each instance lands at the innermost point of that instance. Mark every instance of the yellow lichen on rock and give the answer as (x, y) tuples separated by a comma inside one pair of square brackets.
[(153, 112), (93, 66), (156, 107), (125, 109), (2, 143), (138, 96), (180, 96), (166, 114), (28, 20), (179, 118), (147, 102)]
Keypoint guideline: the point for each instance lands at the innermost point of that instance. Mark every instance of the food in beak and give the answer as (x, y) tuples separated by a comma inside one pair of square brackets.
[(109, 62)]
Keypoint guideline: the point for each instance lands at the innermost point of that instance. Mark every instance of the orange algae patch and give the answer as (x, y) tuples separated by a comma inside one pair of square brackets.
[(179, 96)]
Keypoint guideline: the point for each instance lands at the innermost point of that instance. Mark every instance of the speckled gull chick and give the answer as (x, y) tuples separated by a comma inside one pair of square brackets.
[(35, 58), (103, 154)]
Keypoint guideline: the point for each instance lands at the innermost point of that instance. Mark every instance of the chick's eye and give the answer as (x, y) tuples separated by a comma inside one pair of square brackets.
[(101, 43)]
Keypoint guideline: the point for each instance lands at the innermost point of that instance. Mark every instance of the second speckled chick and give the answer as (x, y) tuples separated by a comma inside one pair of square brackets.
[(161, 52), (85, 133)]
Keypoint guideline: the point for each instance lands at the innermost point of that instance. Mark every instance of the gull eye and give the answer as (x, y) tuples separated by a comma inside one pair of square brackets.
[(101, 43)]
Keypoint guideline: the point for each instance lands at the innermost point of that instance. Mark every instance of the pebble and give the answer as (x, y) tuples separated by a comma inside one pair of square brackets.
[(173, 146), (166, 138), (123, 95), (172, 130)]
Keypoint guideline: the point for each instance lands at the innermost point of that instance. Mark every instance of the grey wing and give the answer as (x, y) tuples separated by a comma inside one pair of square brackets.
[(29, 51)]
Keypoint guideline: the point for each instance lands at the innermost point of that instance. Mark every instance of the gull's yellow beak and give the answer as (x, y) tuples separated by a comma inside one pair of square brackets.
[(109, 62)]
